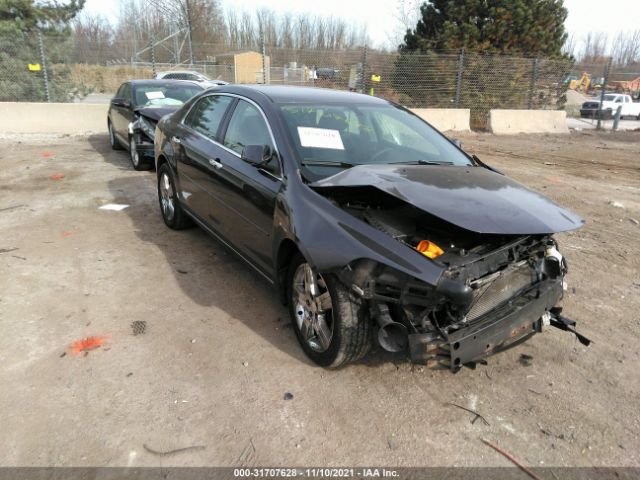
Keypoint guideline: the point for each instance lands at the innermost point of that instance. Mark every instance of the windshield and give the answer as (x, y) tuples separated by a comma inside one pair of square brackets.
[(610, 98), (164, 95), (329, 138)]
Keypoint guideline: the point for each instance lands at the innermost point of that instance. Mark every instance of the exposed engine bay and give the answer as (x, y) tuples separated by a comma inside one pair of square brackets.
[(496, 290)]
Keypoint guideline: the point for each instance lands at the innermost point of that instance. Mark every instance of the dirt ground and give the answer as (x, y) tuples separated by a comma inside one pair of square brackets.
[(217, 355)]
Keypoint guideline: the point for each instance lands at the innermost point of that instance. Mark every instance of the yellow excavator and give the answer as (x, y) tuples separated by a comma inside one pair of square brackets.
[(581, 84)]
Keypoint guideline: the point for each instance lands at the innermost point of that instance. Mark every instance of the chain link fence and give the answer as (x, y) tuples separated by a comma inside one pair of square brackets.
[(61, 69)]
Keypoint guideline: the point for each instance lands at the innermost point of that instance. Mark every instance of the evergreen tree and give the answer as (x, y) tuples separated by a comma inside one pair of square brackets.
[(522, 27), (20, 21)]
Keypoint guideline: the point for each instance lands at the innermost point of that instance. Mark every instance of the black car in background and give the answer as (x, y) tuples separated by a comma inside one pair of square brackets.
[(135, 110), (370, 222)]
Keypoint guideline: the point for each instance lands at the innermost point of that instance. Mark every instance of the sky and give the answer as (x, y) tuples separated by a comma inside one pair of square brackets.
[(380, 15)]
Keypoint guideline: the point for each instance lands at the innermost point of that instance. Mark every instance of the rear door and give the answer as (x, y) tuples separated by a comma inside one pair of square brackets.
[(245, 194), (198, 141)]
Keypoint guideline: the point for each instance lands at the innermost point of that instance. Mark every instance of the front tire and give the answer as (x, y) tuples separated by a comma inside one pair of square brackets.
[(172, 213), (330, 322), (115, 143), (137, 161)]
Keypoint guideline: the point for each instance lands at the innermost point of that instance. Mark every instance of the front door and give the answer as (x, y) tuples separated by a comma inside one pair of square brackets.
[(122, 115), (246, 194)]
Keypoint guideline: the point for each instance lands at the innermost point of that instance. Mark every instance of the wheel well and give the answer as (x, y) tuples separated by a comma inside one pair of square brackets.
[(161, 160), (287, 250)]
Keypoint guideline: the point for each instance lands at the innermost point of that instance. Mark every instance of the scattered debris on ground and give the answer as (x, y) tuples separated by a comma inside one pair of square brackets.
[(510, 457), (174, 451), (86, 345), (477, 415)]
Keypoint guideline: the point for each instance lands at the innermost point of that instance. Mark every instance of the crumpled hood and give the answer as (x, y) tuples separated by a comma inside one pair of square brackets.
[(156, 113), (473, 198)]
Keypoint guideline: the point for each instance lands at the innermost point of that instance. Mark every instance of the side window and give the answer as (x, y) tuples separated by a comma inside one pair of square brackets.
[(247, 127), (126, 91), (206, 116)]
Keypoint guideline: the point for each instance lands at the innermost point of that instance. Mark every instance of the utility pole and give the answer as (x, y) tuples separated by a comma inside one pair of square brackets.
[(264, 63), (43, 61), (534, 81), (363, 74), (189, 32), (459, 78), (152, 46), (604, 87)]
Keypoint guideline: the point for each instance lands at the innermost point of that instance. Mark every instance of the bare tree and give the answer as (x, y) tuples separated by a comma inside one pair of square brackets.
[(286, 30), (569, 46), (405, 18), (94, 39), (625, 48), (594, 47), (291, 31), (166, 24)]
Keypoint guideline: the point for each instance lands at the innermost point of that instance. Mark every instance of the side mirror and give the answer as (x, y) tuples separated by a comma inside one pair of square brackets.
[(120, 102), (257, 155)]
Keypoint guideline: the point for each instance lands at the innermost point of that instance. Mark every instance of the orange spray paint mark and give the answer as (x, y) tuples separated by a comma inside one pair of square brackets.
[(47, 154), (67, 234), (86, 344), (57, 176)]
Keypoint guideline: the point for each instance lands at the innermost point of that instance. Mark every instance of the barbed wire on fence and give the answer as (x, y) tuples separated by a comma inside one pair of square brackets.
[(475, 81)]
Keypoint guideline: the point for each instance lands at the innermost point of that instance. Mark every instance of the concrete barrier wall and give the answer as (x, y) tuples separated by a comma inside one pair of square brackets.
[(454, 119), (69, 118), (78, 118), (527, 121)]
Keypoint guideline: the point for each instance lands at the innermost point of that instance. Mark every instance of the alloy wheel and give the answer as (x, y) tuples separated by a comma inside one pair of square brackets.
[(313, 308), (133, 151), (167, 197)]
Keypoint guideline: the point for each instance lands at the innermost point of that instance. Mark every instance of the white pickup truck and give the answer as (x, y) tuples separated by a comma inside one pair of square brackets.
[(610, 105)]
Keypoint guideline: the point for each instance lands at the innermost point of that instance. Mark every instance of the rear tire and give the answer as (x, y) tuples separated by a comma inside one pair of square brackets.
[(115, 143), (346, 318), (172, 213)]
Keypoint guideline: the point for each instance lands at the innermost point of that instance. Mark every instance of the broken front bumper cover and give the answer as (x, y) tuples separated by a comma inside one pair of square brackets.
[(145, 148), (496, 331)]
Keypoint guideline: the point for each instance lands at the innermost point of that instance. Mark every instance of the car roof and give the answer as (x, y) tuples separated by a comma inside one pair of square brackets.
[(178, 71), (295, 94), (164, 81)]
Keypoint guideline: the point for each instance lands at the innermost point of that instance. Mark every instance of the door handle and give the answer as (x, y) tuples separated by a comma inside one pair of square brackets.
[(176, 140), (215, 163)]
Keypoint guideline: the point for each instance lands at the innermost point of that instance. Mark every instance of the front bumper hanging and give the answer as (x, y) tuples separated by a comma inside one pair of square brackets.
[(498, 331)]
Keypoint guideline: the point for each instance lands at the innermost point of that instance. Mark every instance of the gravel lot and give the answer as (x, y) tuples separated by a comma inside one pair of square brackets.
[(216, 356)]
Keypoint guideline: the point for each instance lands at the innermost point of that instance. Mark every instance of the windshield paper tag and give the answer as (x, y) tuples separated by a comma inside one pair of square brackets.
[(154, 95), (320, 138)]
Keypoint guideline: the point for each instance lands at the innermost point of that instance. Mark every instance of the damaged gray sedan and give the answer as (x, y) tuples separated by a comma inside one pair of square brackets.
[(373, 226)]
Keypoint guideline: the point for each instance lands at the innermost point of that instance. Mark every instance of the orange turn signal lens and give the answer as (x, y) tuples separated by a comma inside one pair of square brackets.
[(429, 249)]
